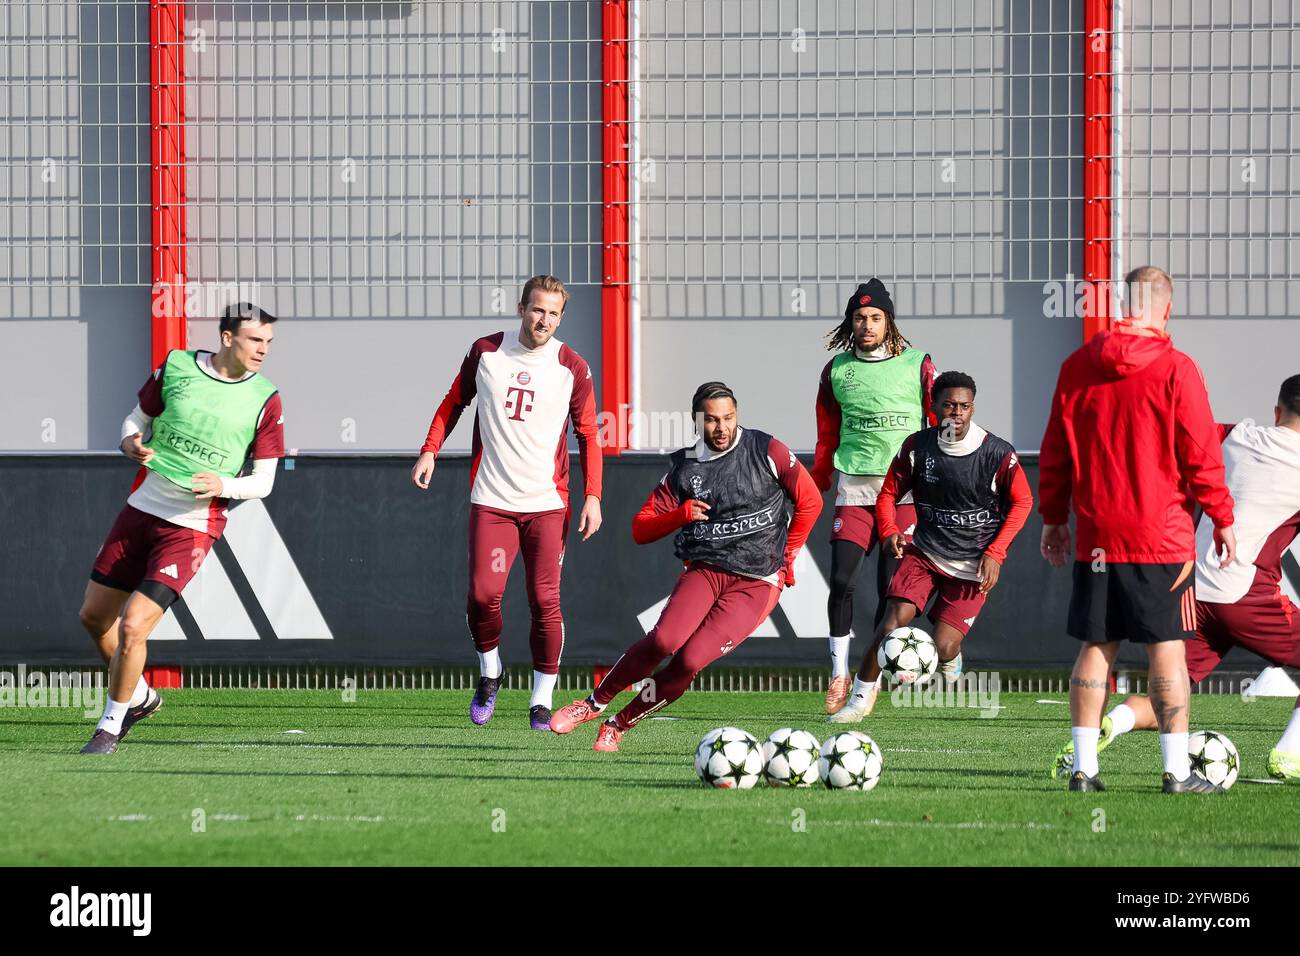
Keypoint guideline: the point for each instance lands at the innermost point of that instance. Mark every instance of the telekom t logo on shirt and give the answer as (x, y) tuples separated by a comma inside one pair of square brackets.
[(518, 401)]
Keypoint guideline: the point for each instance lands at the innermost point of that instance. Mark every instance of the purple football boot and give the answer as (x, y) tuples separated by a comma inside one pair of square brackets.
[(539, 717), (484, 701)]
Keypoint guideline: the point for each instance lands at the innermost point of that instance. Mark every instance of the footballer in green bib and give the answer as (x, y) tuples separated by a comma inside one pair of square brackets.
[(880, 405), (873, 394), (207, 425), (200, 417)]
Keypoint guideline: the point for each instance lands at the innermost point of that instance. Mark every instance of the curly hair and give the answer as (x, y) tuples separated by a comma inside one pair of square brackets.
[(840, 338)]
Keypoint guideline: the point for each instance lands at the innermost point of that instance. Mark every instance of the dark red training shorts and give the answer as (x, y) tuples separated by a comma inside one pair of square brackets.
[(141, 547), (857, 523), (958, 602)]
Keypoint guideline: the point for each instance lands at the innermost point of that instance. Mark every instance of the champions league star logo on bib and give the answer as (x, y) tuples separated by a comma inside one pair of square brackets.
[(697, 483)]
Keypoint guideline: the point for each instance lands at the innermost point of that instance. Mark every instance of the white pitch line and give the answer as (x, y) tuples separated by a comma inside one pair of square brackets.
[(1051, 702), (1271, 783), (921, 824)]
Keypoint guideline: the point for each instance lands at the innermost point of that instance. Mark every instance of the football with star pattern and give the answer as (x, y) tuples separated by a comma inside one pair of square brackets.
[(790, 758), (1213, 757), (850, 761), (907, 655), (729, 758)]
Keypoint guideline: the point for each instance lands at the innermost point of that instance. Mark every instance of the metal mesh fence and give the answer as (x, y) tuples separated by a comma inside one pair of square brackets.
[(393, 143), (410, 159), (571, 679), (817, 143), (74, 153), (1209, 161), (810, 142)]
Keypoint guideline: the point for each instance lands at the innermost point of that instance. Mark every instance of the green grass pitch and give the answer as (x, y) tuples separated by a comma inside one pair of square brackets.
[(282, 777)]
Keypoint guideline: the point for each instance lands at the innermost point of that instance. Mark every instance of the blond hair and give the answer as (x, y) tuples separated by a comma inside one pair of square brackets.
[(543, 284), (1148, 286)]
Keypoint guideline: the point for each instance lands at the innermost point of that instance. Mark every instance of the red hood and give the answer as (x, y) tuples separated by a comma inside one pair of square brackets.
[(1121, 354)]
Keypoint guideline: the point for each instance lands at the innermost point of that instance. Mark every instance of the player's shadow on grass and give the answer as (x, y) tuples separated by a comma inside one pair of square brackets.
[(380, 745), (519, 755), (967, 772), (334, 708), (691, 784), (354, 775)]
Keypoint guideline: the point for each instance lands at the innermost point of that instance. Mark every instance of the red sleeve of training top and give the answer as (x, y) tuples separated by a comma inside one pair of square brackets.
[(1055, 467), (151, 395), (1197, 444), (928, 374), (828, 431), (1017, 503), (1225, 430), (661, 515), (801, 489), (898, 482), (268, 440), (582, 410), (460, 394)]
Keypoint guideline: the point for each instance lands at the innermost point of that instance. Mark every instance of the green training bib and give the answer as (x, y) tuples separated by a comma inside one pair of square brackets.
[(207, 425), (880, 405)]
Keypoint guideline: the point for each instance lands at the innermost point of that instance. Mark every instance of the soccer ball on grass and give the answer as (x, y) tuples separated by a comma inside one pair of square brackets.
[(790, 758), (729, 758), (850, 761)]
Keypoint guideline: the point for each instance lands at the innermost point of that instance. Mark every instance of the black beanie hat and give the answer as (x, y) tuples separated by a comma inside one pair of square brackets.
[(872, 293)]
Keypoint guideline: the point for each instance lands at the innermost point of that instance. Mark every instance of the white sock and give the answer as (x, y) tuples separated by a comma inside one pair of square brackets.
[(141, 693), (1122, 720), (1290, 742), (1085, 749), (543, 688), (1173, 748), (489, 664), (114, 711), (861, 689), (840, 656)]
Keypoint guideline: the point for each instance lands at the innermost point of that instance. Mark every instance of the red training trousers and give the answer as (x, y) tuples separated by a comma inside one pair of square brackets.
[(710, 613), (495, 538)]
